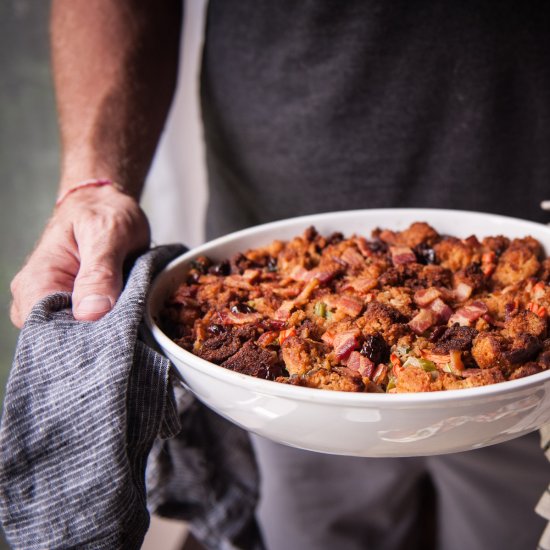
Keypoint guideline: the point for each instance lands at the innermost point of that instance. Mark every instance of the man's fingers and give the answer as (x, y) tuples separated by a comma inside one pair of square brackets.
[(39, 278)]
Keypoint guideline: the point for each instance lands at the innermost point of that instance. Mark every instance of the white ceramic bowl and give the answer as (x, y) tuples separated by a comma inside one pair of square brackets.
[(360, 424)]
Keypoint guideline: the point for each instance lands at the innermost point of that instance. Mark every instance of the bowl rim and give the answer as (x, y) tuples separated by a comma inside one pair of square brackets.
[(272, 388)]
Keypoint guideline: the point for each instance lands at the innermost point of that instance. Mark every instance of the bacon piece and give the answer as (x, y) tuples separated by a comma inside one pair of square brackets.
[(352, 257), (467, 315), (283, 292), (237, 281), (423, 320), (322, 274), (234, 318), (462, 292), (487, 317), (402, 255), (284, 310), (310, 286), (267, 338), (361, 284), (438, 358), (347, 304), (363, 365), (328, 337), (350, 306), (363, 247), (251, 275), (344, 343), (299, 273), (426, 296), (441, 309)]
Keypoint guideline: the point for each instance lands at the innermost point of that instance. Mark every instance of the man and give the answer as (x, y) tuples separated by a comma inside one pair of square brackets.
[(310, 108)]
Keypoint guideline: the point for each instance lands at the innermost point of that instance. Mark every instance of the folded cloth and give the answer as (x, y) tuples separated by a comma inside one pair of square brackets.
[(85, 402), (543, 506)]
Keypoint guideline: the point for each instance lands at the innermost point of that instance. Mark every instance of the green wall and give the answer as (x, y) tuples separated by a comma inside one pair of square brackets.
[(28, 149), (28, 146)]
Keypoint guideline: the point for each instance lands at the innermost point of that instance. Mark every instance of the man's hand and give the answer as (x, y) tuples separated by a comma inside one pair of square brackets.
[(82, 250), (115, 71)]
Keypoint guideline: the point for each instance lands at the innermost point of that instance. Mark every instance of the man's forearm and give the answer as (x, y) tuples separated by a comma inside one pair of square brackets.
[(115, 71)]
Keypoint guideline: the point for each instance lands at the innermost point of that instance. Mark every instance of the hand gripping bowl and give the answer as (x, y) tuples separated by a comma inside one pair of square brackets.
[(360, 424)]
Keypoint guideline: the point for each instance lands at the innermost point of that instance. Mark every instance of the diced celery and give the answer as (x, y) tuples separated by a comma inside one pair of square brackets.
[(321, 309), (427, 365), (411, 362), (417, 362), (447, 367)]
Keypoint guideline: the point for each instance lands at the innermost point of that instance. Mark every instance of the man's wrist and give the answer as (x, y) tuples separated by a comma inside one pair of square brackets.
[(95, 178), (93, 191), (94, 182), (84, 166)]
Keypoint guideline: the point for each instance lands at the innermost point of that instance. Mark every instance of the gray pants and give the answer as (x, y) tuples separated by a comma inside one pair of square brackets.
[(477, 500)]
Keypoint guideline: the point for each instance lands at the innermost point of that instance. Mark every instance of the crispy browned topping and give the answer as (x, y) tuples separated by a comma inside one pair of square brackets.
[(405, 311)]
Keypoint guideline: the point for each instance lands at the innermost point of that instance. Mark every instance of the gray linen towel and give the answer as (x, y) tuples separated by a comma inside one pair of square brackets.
[(543, 507), (84, 405)]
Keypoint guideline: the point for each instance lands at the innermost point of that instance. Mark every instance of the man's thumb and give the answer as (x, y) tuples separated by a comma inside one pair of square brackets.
[(97, 286)]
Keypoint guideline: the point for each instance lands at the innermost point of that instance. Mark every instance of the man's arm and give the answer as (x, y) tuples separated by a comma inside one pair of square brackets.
[(115, 70)]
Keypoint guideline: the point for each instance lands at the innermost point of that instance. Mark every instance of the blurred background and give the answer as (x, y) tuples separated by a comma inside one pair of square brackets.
[(29, 159), (28, 146)]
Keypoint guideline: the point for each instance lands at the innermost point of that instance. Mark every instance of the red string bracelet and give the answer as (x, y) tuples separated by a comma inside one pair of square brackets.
[(100, 182)]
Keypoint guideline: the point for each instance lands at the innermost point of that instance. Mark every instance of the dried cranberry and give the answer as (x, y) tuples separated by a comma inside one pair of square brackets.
[(335, 238), (193, 277), (375, 348), (377, 246), (239, 307), (201, 264), (239, 263), (215, 329), (310, 233), (222, 269), (425, 254)]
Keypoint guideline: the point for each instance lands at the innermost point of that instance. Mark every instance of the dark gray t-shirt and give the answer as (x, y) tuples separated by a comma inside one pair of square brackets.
[(315, 106)]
